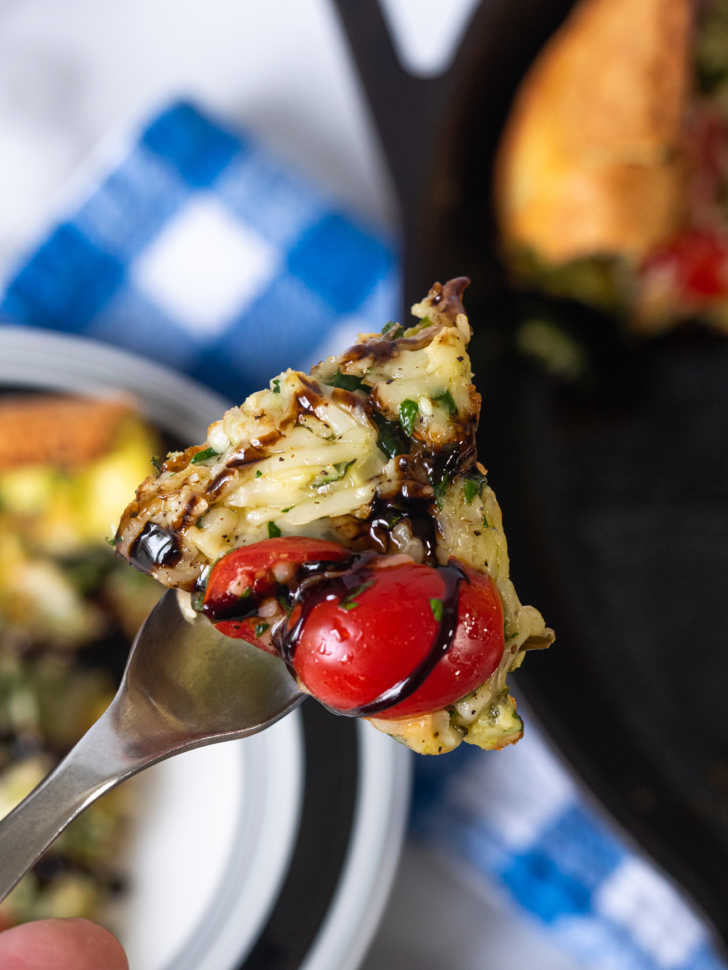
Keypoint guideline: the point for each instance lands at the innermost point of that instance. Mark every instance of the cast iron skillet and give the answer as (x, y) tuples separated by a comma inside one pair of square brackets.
[(615, 493)]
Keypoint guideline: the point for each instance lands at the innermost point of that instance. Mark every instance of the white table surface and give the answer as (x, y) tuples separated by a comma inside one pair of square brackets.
[(72, 74)]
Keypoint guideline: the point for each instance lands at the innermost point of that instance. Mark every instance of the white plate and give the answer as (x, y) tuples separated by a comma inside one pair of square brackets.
[(273, 852)]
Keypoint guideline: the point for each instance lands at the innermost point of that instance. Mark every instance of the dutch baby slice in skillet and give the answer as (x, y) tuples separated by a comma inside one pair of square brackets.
[(342, 520)]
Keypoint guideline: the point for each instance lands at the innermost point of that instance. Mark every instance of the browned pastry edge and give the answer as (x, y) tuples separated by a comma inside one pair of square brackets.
[(589, 162)]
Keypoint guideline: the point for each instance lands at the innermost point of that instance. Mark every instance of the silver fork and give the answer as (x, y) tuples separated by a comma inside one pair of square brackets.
[(185, 685)]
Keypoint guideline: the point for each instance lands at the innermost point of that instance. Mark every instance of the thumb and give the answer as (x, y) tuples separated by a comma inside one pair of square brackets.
[(60, 944)]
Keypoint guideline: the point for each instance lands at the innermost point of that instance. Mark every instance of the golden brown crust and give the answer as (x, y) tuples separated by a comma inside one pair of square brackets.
[(590, 158), (63, 431)]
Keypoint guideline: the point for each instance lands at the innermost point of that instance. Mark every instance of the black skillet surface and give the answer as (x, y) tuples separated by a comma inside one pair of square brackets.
[(614, 495)]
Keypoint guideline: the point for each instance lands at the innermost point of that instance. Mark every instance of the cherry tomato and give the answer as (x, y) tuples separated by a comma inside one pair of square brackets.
[(353, 649), (697, 262), (257, 570)]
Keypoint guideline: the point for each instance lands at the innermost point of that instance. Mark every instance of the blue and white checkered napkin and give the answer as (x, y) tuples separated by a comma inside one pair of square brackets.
[(199, 250)]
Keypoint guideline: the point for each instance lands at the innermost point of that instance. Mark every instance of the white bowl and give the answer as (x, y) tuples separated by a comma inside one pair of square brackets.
[(272, 853)]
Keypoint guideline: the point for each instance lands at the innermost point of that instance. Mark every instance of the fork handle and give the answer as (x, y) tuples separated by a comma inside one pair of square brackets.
[(93, 766)]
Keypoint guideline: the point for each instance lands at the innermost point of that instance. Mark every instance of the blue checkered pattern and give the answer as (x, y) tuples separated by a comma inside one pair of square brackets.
[(200, 251), (517, 819)]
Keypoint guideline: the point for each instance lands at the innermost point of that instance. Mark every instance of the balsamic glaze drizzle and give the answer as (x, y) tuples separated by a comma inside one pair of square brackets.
[(385, 514), (329, 580), (452, 576), (324, 583), (155, 546)]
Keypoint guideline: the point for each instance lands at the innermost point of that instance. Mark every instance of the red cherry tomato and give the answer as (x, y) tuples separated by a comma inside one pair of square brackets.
[(347, 657), (256, 570), (697, 262)]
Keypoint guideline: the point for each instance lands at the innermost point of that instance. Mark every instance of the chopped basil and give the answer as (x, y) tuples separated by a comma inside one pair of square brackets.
[(441, 474), (473, 485), (111, 541), (157, 462), (447, 402), (347, 381), (392, 329), (259, 474), (393, 517), (288, 509), (260, 628), (436, 607), (408, 411), (283, 603), (246, 593), (340, 469), (391, 440), (423, 324), (440, 487), (485, 522), (204, 455), (276, 384), (273, 530)]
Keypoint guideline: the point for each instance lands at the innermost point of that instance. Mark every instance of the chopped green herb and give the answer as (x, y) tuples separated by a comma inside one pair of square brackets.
[(340, 469), (392, 329), (436, 607), (197, 599), (349, 382), (473, 485), (391, 440), (485, 522), (276, 382), (447, 402), (246, 593), (204, 455), (157, 462), (260, 628), (393, 517), (259, 474), (441, 486), (111, 541), (423, 324), (273, 530), (408, 411), (283, 603), (288, 509)]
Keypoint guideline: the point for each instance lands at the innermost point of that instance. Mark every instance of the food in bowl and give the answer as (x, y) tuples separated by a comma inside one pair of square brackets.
[(68, 610), (612, 171), (342, 520)]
